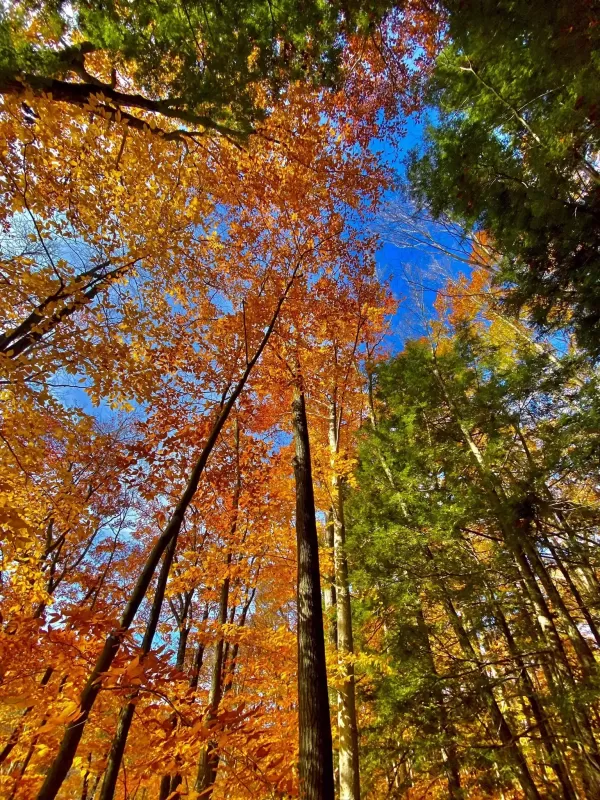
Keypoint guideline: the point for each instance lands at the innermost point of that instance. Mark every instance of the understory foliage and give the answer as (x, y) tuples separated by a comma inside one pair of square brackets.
[(474, 532)]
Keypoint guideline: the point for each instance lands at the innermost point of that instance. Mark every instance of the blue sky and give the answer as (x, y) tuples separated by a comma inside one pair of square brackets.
[(396, 262)]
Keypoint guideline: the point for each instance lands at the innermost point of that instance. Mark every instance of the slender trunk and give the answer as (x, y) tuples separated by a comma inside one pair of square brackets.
[(208, 763), (199, 657), (445, 727), (329, 594), (68, 747), (316, 756), (232, 664), (115, 756), (184, 632), (86, 780), (209, 757), (169, 783), (165, 787), (347, 722), (501, 726), (13, 739)]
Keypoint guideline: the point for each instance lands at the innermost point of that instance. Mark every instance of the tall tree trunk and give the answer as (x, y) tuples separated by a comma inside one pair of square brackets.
[(329, 594), (349, 776), (165, 787), (184, 626), (513, 751), (115, 756), (209, 757), (68, 747), (445, 727), (208, 763), (316, 755)]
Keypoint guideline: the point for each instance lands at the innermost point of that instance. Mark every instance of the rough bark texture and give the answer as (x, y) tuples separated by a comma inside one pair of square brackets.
[(316, 757)]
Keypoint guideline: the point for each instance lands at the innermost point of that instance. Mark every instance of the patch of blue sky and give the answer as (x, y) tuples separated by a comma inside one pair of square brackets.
[(417, 255)]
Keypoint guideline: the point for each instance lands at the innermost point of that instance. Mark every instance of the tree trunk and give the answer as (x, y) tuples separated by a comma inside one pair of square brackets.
[(329, 594), (349, 775), (501, 726), (13, 739), (170, 783), (316, 756), (209, 757), (232, 664), (208, 763), (115, 756), (446, 728)]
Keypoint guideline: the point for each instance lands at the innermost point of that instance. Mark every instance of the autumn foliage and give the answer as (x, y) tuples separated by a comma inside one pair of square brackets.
[(157, 286), (247, 549)]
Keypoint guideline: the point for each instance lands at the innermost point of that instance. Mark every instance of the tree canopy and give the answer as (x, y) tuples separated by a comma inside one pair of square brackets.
[(212, 64), (285, 512), (515, 150)]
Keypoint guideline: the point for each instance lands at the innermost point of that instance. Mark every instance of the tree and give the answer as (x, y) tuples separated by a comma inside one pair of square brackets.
[(316, 753), (216, 66), (440, 489), (148, 273), (514, 152)]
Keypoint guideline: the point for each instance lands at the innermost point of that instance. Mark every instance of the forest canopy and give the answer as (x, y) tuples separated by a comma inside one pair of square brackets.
[(299, 406)]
